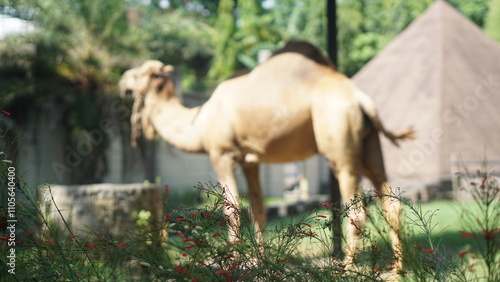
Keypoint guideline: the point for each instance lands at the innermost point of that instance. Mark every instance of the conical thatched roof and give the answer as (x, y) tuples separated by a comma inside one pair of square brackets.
[(441, 75)]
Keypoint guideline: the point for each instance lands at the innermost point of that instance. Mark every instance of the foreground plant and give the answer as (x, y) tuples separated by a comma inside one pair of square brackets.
[(481, 226), (296, 249)]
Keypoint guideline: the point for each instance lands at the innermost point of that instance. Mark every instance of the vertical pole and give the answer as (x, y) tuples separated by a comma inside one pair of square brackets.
[(331, 14)]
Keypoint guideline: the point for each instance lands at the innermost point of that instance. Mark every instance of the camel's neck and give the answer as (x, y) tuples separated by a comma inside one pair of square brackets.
[(176, 125)]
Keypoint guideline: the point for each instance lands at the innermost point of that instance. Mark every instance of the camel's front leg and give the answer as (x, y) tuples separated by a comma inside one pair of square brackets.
[(259, 213), (224, 166)]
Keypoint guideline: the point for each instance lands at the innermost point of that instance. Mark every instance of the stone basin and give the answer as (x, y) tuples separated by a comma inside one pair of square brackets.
[(101, 208)]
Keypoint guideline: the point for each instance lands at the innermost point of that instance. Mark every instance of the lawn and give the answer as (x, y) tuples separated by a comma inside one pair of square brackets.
[(445, 232)]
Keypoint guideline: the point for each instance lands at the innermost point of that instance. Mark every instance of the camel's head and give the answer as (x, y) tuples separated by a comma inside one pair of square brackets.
[(146, 83), (161, 84), (136, 81)]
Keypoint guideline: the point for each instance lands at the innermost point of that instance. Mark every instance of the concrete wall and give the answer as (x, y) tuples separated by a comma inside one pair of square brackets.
[(44, 158)]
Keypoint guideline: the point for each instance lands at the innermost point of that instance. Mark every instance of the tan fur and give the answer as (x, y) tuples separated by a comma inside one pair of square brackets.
[(284, 110)]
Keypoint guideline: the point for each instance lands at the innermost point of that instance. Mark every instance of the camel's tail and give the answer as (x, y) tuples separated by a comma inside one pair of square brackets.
[(370, 110)]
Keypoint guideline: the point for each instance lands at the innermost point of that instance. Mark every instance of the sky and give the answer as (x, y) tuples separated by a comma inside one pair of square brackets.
[(10, 25)]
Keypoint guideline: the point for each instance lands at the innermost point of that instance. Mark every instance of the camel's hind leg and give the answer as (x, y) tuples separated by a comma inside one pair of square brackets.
[(373, 168), (347, 175)]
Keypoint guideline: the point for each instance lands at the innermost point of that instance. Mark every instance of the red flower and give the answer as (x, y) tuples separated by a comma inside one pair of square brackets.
[(180, 219), (306, 224), (234, 266), (464, 253), (484, 181), (7, 113), (466, 235), (326, 205), (122, 245), (189, 247), (169, 215), (180, 269), (488, 234), (91, 245), (181, 235), (428, 251), (472, 265), (354, 224), (73, 236), (245, 196), (377, 192), (375, 267), (220, 272), (166, 190), (195, 214), (102, 247), (50, 242), (322, 216), (216, 234), (208, 215)]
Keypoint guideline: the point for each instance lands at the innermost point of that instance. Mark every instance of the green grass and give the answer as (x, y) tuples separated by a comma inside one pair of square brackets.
[(445, 233)]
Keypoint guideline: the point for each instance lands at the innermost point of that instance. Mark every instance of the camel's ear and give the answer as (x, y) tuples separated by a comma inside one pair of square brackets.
[(168, 69), (150, 67)]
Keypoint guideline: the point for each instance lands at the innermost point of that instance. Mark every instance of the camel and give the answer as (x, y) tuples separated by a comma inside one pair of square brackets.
[(287, 109)]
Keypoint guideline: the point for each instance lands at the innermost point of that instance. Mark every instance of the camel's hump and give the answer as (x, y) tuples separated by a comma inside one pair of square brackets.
[(306, 49), (303, 48)]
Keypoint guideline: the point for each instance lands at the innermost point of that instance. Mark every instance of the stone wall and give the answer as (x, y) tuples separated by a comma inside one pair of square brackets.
[(107, 208)]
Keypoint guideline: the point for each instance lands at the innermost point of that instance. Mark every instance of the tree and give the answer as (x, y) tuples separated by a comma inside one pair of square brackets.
[(366, 27), (182, 39), (475, 10), (69, 65), (242, 30), (256, 31), (226, 50), (492, 21)]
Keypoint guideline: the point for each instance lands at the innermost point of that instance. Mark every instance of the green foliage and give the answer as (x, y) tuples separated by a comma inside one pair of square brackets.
[(244, 29), (366, 27), (475, 10), (305, 20), (492, 21), (297, 248), (180, 38), (69, 65), (224, 62), (72, 62)]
